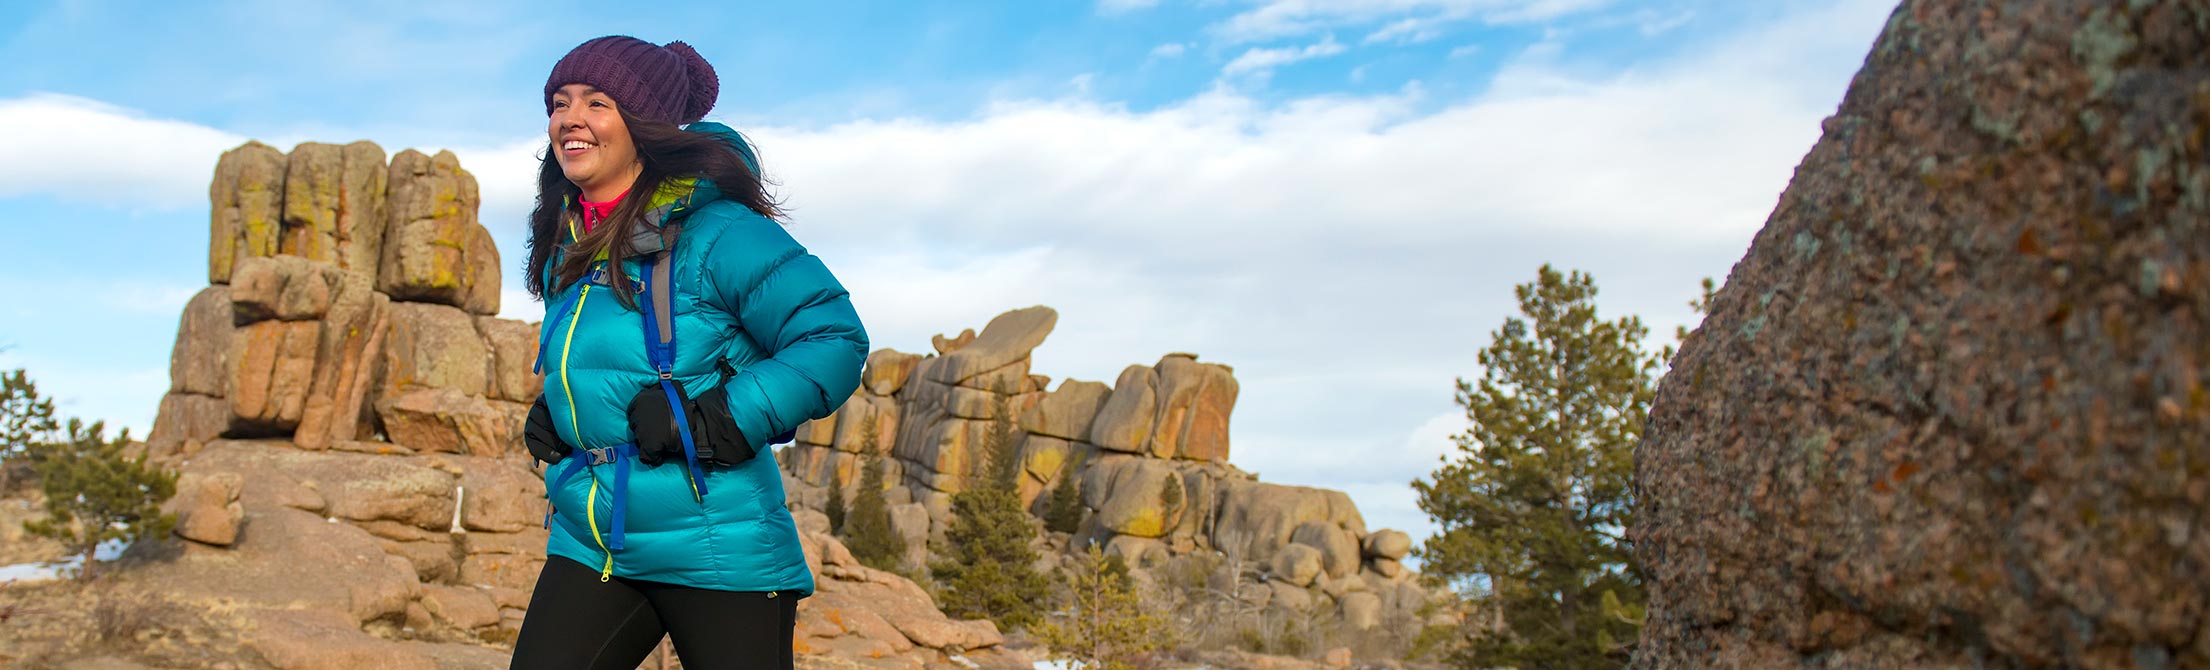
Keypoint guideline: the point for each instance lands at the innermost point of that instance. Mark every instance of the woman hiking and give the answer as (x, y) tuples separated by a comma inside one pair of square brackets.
[(684, 329)]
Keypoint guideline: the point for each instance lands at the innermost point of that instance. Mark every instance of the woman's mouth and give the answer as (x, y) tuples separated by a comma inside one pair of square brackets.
[(575, 147)]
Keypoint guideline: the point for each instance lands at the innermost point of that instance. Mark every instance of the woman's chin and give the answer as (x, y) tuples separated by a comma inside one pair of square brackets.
[(580, 178)]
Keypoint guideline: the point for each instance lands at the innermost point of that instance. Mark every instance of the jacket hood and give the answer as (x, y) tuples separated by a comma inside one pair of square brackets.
[(677, 198), (731, 136)]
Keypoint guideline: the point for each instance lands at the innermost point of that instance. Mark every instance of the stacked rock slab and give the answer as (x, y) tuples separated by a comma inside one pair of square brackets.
[(344, 364), (349, 300), (1949, 409), (1148, 455)]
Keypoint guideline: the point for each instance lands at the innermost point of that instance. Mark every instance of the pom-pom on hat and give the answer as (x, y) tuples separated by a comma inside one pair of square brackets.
[(669, 83)]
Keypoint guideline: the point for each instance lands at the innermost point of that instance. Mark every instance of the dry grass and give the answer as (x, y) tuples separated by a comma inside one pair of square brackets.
[(56, 624)]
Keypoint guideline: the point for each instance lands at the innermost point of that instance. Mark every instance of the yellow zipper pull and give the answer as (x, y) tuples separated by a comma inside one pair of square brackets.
[(607, 573)]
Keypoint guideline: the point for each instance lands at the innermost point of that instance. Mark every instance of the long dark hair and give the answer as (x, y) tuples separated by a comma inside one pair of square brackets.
[(668, 152)]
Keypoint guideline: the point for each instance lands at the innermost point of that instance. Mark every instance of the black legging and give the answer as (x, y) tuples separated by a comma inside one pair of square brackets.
[(577, 622)]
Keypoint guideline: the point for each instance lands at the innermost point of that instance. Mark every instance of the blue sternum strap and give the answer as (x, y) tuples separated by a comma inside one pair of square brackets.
[(619, 455)]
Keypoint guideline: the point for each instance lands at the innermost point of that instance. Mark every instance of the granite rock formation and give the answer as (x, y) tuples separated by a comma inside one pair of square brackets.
[(1949, 411), (1151, 464), (338, 285)]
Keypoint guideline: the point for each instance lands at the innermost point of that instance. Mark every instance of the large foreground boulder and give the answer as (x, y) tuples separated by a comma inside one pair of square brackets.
[(1950, 410), (292, 559)]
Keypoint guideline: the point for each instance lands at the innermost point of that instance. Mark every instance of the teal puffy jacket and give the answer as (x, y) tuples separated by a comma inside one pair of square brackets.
[(753, 313)]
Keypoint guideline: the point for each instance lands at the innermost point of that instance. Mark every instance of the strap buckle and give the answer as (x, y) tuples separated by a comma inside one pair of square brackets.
[(603, 455)]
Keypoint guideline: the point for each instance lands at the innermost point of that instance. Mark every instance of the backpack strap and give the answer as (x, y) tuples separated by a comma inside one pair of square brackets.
[(557, 315), (659, 315)]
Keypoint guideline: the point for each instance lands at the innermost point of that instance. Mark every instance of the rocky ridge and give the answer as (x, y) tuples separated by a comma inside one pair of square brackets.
[(1150, 456)]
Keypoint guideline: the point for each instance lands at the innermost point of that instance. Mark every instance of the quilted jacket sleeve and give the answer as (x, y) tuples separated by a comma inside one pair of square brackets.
[(786, 300)]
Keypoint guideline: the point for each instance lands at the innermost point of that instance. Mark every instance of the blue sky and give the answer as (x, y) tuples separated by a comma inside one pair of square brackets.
[(1333, 197)]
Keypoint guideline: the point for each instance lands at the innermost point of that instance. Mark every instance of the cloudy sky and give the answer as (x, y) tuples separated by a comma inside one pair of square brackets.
[(1334, 197)]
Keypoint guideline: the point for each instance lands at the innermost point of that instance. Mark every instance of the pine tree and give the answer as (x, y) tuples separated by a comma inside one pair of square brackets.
[(1001, 457), (838, 507), (1104, 625), (867, 530), (26, 418), (835, 507), (95, 494), (1063, 510), (988, 571), (1533, 509)]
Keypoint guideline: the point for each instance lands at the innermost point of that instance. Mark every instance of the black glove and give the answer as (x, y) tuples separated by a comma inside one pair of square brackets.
[(540, 436), (713, 429)]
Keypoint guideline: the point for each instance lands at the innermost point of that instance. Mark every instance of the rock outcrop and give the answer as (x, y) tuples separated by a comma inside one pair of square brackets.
[(1148, 454), (876, 619), (1949, 411), (434, 251), (340, 398), (340, 286)]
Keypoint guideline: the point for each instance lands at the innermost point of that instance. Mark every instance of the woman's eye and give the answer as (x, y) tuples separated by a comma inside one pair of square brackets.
[(598, 103)]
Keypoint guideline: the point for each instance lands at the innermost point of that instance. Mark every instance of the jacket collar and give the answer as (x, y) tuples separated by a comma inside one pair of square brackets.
[(669, 205)]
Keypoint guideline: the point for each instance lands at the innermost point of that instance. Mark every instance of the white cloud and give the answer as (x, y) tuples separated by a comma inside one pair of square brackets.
[(1407, 31), (506, 178), (1674, 154), (1274, 19), (92, 389), (1377, 473), (90, 151), (144, 297), (1169, 50), (1652, 23), (1260, 62), (517, 304), (1549, 49), (1463, 51)]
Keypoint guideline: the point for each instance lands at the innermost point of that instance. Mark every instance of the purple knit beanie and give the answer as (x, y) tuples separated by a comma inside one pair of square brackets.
[(663, 83)]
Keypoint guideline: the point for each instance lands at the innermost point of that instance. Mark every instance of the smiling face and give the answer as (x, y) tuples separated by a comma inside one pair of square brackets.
[(592, 143)]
